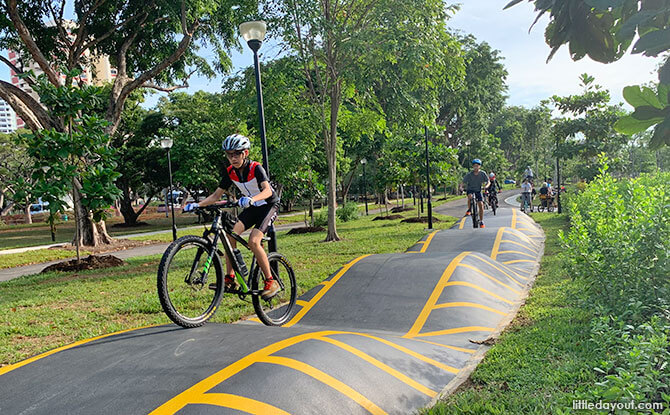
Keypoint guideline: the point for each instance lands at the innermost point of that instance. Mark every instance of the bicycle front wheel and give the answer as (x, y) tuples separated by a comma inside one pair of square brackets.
[(475, 214), (276, 310), (188, 290)]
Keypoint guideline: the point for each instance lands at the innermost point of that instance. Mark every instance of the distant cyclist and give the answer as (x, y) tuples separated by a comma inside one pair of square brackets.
[(528, 174), (473, 182), (260, 203), (494, 185), (526, 194)]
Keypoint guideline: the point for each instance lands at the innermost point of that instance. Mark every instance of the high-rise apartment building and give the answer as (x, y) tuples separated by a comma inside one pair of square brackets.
[(98, 72), (7, 118)]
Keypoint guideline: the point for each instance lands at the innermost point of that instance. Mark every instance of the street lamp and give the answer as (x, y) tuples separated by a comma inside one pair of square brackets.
[(558, 178), (166, 143), (254, 34), (430, 204), (364, 161)]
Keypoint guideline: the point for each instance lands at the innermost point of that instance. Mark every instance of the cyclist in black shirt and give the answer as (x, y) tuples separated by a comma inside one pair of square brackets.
[(259, 200)]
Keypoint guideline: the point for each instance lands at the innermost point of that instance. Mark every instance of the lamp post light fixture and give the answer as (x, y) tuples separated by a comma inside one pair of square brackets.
[(364, 161), (430, 204), (166, 143), (254, 34)]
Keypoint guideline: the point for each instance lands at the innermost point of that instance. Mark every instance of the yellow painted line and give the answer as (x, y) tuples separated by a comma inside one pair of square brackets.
[(496, 244), (434, 296), (477, 287), (517, 260), (477, 270), (301, 302), (460, 225), (326, 283), (535, 236), (300, 314), (386, 368), (484, 260), (513, 219), (195, 392), (467, 304), (460, 349), (455, 331), (239, 403), (9, 368), (256, 319), (409, 352), (529, 229), (507, 241), (412, 252), (518, 253), (326, 379), (521, 235), (427, 242)]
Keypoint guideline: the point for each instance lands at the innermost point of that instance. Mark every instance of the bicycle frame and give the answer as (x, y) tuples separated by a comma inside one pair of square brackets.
[(220, 233)]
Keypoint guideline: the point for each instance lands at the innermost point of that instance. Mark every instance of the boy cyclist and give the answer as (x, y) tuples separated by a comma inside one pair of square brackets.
[(494, 187), (473, 186), (259, 201)]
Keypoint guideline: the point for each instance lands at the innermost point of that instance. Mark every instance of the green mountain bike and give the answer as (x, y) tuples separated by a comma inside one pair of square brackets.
[(191, 275)]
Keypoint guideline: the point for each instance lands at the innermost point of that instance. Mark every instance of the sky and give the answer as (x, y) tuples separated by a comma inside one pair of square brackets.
[(530, 80)]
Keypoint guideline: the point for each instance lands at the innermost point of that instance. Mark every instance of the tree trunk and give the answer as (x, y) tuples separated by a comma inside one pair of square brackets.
[(402, 195), (26, 212), (90, 233), (331, 156)]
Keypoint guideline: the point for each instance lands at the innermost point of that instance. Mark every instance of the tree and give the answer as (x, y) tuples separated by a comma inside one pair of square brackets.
[(467, 108), (140, 161), (151, 44), (77, 161), (605, 30), (332, 40), (587, 128), (16, 171)]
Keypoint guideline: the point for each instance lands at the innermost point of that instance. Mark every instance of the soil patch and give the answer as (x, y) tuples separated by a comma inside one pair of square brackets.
[(390, 217), (306, 229), (90, 262), (423, 219), (125, 225), (117, 245), (401, 209)]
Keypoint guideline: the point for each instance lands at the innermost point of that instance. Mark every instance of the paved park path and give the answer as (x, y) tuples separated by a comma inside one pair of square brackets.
[(385, 334), (453, 208)]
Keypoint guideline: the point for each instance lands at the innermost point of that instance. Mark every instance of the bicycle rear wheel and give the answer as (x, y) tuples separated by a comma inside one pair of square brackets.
[(183, 283), (276, 310)]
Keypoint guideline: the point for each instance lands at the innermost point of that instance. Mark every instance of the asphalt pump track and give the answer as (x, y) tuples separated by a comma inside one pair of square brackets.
[(385, 334)]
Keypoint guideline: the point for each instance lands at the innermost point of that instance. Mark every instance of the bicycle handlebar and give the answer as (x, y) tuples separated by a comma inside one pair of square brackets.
[(217, 206)]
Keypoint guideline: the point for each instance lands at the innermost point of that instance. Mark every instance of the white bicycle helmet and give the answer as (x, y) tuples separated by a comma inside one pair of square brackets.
[(236, 142)]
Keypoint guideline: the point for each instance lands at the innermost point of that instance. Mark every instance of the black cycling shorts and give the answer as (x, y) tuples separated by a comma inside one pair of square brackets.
[(477, 193), (262, 217)]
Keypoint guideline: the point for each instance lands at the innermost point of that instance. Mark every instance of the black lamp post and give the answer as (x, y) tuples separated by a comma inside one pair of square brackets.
[(364, 161), (430, 204), (254, 34), (558, 178), (166, 143)]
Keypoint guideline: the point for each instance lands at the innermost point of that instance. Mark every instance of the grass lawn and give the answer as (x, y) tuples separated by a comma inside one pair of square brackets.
[(41, 312), (544, 358)]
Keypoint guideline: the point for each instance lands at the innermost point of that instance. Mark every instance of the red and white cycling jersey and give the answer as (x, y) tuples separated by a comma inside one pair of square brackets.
[(248, 179)]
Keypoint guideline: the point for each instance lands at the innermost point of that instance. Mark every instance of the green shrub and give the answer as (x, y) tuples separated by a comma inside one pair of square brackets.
[(321, 218), (638, 360), (619, 242), (348, 211)]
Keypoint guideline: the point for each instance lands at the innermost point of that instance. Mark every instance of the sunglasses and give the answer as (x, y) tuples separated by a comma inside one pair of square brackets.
[(235, 153)]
